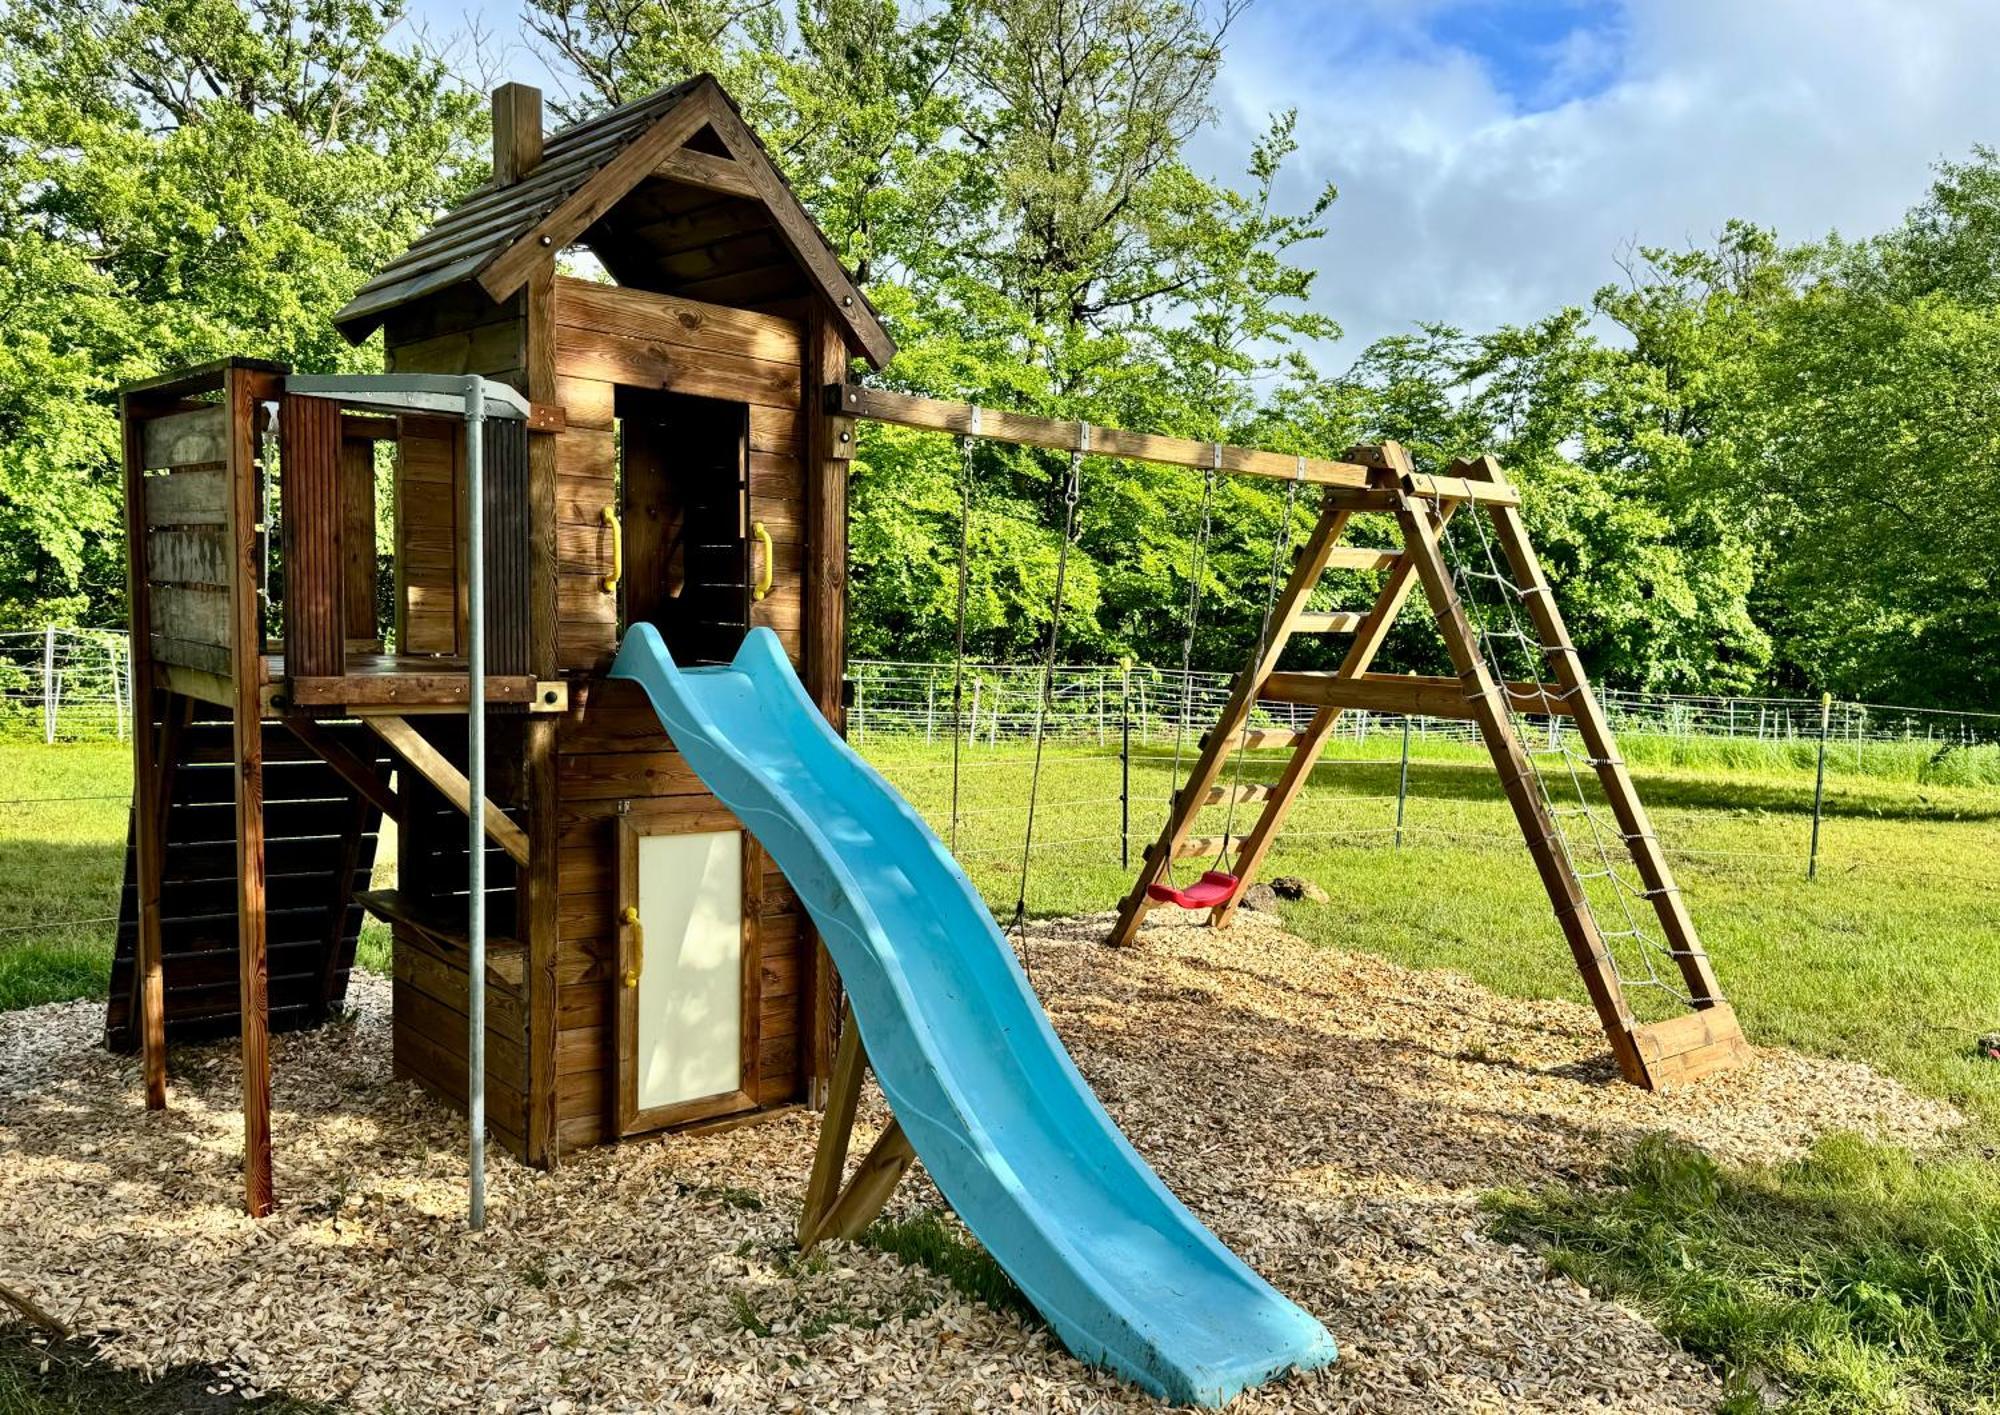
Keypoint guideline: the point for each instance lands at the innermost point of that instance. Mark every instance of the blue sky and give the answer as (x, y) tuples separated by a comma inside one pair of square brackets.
[(1496, 158)]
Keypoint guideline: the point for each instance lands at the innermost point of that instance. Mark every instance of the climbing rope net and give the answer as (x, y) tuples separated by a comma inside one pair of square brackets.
[(1564, 771)]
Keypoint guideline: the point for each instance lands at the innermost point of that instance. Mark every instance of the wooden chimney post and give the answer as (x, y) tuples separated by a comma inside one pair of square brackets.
[(517, 132)]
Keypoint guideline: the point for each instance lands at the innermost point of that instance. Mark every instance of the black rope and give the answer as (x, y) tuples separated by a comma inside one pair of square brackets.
[(958, 651), (1072, 493), (1279, 549), (1197, 572)]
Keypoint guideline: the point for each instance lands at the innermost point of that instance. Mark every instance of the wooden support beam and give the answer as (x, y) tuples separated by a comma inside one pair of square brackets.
[(1343, 623), (834, 1210), (149, 791), (1676, 924), (829, 437), (361, 775), (244, 394), (1361, 557), (428, 762), (1517, 779), (1411, 694), (538, 899), (998, 425)]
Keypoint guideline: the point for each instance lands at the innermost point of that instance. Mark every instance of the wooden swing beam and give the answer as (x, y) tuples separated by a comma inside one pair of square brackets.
[(1025, 430)]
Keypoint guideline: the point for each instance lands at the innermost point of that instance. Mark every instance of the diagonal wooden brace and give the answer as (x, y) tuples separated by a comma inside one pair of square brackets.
[(834, 1210)]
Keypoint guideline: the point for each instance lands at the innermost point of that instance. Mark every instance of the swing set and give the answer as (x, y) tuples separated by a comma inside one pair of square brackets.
[(1513, 660)]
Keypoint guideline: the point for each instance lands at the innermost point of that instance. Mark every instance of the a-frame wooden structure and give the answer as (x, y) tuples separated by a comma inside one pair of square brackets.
[(1653, 1055)]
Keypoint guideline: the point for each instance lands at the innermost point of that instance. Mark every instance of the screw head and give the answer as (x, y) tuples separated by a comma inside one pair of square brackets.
[(548, 240)]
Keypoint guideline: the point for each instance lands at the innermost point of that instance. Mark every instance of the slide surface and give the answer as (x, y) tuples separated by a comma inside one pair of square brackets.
[(996, 1109)]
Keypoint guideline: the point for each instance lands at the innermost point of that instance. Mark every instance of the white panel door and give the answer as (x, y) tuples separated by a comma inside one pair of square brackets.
[(690, 1002)]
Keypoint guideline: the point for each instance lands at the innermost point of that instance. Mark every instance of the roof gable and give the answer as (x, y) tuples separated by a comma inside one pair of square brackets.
[(500, 234)]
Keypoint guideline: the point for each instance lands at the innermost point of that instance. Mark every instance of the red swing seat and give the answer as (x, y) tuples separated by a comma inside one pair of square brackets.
[(1205, 893)]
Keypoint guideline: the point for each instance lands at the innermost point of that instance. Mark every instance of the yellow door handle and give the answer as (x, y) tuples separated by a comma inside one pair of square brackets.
[(610, 518), (630, 918), (763, 586)]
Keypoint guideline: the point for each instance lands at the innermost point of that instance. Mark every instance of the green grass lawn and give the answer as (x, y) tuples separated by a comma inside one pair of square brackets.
[(1854, 1280)]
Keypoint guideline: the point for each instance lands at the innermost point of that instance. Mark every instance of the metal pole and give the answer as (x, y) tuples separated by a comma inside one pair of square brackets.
[(475, 775), (1125, 765), (1819, 783), (49, 684), (1402, 783)]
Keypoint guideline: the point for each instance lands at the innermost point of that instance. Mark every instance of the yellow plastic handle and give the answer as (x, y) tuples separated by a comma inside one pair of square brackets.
[(763, 586), (610, 518), (630, 918)]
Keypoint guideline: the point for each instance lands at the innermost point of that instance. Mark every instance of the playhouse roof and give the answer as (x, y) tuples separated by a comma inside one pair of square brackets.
[(688, 136)]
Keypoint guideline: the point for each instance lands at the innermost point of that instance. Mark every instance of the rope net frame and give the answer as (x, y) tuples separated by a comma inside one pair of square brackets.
[(1494, 602)]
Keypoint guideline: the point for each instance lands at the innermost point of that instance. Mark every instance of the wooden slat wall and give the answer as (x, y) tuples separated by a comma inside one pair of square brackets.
[(427, 536), (309, 473), (429, 1038), (308, 809), (611, 749), (586, 483), (504, 474), (606, 335), (187, 553), (359, 572)]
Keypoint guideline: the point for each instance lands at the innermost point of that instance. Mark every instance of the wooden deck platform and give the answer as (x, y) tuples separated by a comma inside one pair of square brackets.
[(374, 683)]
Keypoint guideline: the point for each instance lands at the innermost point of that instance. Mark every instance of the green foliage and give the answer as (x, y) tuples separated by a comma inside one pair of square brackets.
[(1855, 1279), (180, 181), (1769, 473)]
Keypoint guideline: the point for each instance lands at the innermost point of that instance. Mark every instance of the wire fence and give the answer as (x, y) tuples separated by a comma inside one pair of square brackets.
[(1128, 736), (1092, 703), (65, 685)]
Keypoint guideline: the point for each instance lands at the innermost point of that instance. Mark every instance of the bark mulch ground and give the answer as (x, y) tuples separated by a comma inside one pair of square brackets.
[(1332, 1116)]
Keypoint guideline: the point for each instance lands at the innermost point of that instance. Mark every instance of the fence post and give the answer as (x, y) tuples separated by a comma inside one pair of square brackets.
[(860, 709), (972, 718), (930, 707), (1125, 764), (1819, 783), (1403, 782), (117, 696), (49, 685)]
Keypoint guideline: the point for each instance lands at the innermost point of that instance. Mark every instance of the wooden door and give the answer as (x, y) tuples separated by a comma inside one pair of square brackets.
[(689, 973)]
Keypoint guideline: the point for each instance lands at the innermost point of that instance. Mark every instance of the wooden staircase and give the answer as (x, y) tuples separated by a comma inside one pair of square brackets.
[(1679, 1049), (320, 846)]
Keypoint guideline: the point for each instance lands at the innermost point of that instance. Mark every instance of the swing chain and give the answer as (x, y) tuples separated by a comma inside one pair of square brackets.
[(1280, 549)]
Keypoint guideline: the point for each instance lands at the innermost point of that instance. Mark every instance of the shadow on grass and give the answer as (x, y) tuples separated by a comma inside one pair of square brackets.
[(40, 1375)]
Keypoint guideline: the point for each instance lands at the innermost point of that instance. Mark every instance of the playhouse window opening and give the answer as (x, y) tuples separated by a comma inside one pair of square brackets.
[(684, 498)]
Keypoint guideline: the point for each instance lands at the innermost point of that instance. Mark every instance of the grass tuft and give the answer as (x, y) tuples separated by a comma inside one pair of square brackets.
[(1857, 1278), (932, 1240)]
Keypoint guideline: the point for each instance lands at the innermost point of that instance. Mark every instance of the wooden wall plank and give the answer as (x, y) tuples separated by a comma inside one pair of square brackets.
[(195, 496), (199, 436)]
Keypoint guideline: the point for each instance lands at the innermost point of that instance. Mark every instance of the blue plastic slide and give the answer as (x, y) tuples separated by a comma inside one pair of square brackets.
[(996, 1109)]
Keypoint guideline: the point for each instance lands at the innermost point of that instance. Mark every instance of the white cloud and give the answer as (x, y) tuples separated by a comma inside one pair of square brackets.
[(1806, 115)]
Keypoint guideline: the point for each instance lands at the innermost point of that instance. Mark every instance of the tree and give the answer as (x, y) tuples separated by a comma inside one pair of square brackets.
[(180, 179)]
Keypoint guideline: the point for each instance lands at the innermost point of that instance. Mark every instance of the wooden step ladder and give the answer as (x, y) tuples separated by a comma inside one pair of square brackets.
[(1680, 1049)]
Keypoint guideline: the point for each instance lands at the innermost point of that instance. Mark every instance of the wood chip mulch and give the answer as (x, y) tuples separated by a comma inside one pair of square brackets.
[(1332, 1116)]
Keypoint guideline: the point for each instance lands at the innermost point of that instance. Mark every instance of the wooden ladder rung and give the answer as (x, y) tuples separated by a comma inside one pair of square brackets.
[(1218, 795), (1260, 739), (1361, 557), (1344, 623), (1204, 845)]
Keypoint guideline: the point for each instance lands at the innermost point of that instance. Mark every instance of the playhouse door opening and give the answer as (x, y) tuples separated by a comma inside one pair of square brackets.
[(686, 494), (684, 1051)]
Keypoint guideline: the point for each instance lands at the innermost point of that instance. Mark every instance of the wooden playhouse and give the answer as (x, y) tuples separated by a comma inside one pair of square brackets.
[(678, 466)]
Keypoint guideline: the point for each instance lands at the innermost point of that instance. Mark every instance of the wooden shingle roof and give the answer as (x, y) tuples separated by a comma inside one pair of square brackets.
[(499, 234)]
